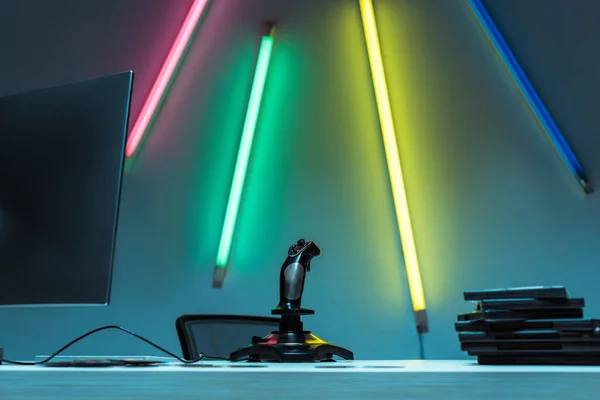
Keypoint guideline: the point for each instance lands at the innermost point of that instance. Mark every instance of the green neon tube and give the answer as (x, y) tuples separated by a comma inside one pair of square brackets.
[(243, 158)]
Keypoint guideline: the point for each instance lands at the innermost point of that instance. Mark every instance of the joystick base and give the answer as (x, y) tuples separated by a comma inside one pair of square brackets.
[(290, 346)]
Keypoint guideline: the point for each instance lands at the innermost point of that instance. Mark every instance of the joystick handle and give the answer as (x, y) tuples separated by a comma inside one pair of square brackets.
[(292, 277)]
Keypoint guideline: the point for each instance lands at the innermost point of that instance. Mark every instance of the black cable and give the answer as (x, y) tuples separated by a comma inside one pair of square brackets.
[(421, 347), (119, 328)]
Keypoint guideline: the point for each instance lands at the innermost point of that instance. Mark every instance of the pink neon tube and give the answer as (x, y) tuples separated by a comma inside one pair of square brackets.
[(164, 76)]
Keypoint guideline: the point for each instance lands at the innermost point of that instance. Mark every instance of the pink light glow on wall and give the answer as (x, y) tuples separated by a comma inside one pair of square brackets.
[(164, 76)]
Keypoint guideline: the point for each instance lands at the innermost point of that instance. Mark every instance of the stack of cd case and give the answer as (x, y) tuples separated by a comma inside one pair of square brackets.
[(537, 325)]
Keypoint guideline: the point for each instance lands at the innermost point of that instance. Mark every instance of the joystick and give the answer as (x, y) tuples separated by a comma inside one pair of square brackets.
[(291, 343)]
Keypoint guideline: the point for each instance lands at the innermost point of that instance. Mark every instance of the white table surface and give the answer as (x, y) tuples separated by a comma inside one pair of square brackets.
[(401, 380)]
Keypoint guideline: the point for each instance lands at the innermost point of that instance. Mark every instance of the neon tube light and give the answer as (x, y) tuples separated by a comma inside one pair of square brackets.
[(533, 100), (243, 158), (164, 76), (395, 169)]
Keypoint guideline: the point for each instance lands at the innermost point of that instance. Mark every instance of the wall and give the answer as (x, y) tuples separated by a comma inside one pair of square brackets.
[(491, 204)]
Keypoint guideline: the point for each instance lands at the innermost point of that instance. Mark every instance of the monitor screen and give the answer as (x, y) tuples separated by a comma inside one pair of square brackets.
[(61, 166)]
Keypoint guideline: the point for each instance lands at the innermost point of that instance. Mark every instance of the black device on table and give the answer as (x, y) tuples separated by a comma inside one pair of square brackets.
[(527, 292), (61, 166), (537, 325), (291, 343)]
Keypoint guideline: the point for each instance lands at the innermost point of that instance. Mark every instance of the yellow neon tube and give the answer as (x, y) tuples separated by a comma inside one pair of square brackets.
[(393, 161)]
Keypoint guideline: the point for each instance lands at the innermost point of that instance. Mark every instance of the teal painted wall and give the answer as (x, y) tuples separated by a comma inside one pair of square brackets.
[(491, 204)]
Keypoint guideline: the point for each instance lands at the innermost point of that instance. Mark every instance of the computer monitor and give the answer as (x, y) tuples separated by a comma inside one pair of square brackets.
[(61, 166)]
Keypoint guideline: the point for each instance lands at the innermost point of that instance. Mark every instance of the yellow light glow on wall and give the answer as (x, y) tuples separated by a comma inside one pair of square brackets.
[(395, 169)]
